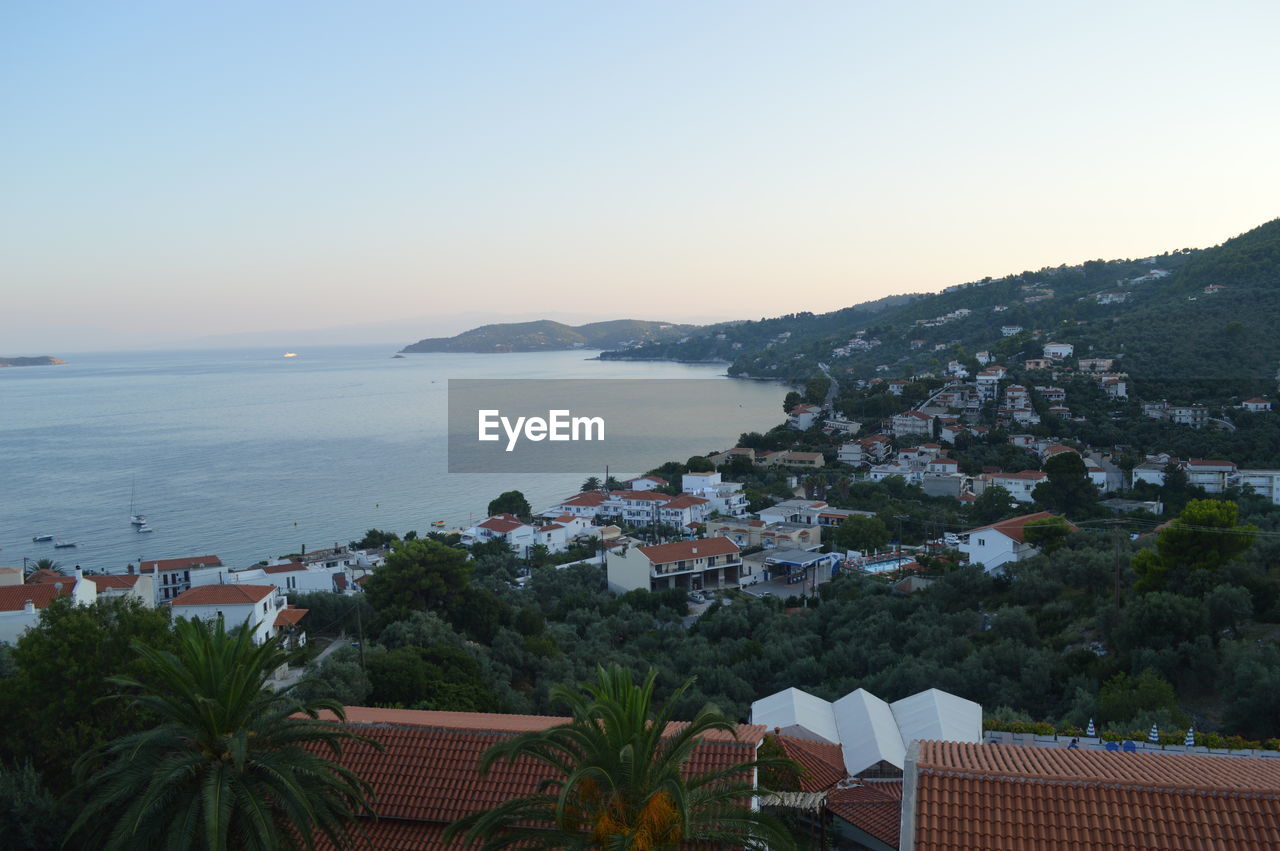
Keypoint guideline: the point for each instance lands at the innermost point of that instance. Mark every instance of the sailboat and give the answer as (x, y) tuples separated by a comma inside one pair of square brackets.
[(135, 519)]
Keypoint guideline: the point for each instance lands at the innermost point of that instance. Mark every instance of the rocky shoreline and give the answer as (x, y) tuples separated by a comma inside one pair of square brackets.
[(42, 360)]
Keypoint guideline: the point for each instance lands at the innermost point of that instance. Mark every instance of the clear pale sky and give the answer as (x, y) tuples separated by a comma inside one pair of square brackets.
[(175, 170)]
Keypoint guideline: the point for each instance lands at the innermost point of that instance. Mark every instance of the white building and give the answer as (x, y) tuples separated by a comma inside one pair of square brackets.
[(803, 416), (1058, 351), (1212, 475), (1265, 483), (520, 536), (172, 576), (688, 565), (287, 576), (132, 585), (1019, 485), (1001, 543), (20, 605), (1256, 405), (257, 605), (723, 497)]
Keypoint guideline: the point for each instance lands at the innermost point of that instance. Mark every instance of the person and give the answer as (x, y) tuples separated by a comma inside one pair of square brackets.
[(1075, 743)]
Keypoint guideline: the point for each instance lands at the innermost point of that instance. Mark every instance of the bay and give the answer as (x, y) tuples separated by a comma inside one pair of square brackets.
[(246, 454)]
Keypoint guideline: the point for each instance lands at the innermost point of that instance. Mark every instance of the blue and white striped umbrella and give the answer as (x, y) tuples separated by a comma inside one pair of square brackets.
[(1089, 732), (1190, 740), (1154, 735)]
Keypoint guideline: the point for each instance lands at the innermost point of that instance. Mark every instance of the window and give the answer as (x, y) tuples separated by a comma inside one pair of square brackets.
[(981, 542)]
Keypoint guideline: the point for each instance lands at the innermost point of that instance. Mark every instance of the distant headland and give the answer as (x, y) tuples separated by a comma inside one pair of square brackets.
[(547, 335), (43, 360)]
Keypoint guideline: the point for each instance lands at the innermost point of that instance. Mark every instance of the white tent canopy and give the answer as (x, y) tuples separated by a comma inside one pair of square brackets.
[(867, 729)]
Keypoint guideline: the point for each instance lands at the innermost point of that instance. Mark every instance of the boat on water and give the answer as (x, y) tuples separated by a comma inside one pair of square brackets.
[(291, 354), (40, 539), (63, 545), (144, 527), (134, 518), (438, 523)]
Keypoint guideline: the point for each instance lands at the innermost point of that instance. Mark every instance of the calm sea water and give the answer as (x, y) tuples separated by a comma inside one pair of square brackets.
[(247, 454)]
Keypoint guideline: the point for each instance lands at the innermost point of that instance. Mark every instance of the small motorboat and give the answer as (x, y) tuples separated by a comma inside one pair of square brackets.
[(438, 524), (63, 545), (291, 354), (144, 527), (42, 539)]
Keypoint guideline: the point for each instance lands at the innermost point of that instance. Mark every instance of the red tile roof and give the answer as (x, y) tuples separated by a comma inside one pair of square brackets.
[(587, 498), (282, 568), (874, 806), (685, 500), (822, 762), (14, 597), (117, 580), (290, 616), (1014, 527), (685, 550), (1007, 796), (224, 595), (644, 495), (44, 576), (426, 773), (154, 565), (501, 523)]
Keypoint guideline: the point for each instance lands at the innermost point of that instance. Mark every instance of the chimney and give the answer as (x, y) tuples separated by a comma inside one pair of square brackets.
[(131, 568), (29, 608)]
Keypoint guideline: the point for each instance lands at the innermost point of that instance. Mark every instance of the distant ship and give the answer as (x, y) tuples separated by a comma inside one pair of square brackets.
[(291, 354), (62, 545), (40, 539)]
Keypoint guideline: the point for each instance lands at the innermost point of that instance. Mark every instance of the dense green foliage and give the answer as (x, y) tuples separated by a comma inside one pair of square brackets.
[(232, 763)]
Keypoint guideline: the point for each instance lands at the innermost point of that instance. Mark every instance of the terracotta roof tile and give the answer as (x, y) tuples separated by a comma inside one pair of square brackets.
[(1014, 527), (224, 595), (290, 616), (117, 580), (426, 771), (874, 806), (823, 762), (501, 523), (45, 576), (153, 565), (14, 597), (684, 550), (1001, 796)]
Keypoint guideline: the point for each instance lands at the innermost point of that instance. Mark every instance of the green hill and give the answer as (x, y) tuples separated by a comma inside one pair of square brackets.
[(547, 335), (1153, 315)]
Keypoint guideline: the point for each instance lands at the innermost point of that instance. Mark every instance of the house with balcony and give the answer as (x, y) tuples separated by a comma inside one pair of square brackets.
[(803, 416), (1256, 405), (868, 450), (1058, 351), (1095, 364), (1215, 476), (1265, 483), (1196, 416), (726, 498), (257, 605), (912, 423), (170, 577), (695, 565), (1019, 485)]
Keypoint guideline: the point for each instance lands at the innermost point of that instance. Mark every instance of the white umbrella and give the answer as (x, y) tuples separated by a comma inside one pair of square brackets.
[(1154, 735), (1190, 740), (1089, 732)]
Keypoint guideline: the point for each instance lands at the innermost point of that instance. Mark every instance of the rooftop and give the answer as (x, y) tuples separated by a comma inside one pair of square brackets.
[(684, 550), (224, 595), (1014, 796)]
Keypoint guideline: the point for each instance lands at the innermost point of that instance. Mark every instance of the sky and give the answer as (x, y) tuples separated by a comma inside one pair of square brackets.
[(236, 171)]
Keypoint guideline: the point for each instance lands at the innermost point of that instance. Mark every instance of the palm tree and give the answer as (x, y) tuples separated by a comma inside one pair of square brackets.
[(44, 564), (617, 779), (232, 763)]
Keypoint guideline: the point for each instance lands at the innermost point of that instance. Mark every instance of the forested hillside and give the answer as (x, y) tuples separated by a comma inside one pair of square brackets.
[(1155, 316)]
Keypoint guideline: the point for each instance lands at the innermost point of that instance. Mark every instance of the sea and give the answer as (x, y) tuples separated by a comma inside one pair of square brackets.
[(247, 454)]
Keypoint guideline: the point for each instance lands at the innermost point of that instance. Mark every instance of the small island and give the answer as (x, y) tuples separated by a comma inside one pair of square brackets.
[(546, 335), (42, 360)]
